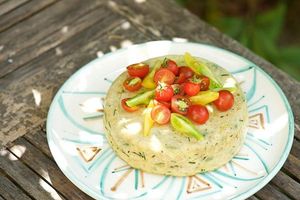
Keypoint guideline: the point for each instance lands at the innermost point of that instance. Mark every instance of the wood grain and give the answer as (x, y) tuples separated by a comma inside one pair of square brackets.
[(10, 5), (292, 167), (287, 185), (23, 12), (47, 169), (33, 184), (269, 192), (9, 190), (54, 27)]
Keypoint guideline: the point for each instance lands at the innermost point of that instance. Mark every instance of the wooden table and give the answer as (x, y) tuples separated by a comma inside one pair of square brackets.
[(43, 42)]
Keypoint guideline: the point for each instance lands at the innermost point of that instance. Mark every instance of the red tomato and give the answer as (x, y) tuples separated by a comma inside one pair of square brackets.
[(184, 74), (191, 88), (204, 84), (225, 100), (127, 108), (172, 66), (138, 70), (164, 103), (132, 84), (164, 76), (198, 114), (180, 79), (164, 92), (178, 89), (160, 114), (180, 104)]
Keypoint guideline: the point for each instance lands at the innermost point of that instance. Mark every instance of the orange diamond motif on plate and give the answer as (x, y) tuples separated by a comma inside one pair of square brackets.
[(257, 121), (196, 184), (88, 153)]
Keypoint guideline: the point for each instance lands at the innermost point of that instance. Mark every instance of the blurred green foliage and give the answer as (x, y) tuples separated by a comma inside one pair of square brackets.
[(257, 28)]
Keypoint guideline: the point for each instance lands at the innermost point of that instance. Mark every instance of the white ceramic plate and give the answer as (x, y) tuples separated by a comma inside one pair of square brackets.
[(81, 150)]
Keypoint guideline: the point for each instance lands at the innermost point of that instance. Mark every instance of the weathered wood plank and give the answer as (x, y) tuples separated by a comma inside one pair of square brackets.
[(252, 198), (9, 190), (166, 20), (23, 12), (271, 193), (289, 186), (292, 168), (25, 177), (296, 149), (11, 5), (54, 27), (47, 72), (47, 169), (39, 140)]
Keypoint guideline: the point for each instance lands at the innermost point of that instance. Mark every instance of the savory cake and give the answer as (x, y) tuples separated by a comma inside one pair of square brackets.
[(165, 150)]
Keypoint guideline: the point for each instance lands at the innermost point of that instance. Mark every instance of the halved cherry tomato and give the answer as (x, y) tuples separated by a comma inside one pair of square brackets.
[(191, 88), (164, 103), (164, 92), (164, 76), (204, 84), (127, 108), (172, 66), (138, 70), (198, 114), (180, 104), (160, 114), (178, 89), (132, 84), (225, 100)]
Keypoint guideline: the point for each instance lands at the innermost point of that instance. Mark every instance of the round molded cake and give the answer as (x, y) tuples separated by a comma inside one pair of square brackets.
[(166, 151)]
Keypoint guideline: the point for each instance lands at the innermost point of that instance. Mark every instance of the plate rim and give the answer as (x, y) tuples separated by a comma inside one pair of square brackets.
[(244, 195)]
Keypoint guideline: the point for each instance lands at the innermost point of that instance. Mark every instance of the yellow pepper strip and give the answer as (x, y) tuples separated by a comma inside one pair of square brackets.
[(204, 97), (148, 81), (200, 68), (148, 121)]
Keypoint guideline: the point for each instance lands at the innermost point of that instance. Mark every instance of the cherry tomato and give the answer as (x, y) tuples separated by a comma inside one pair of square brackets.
[(225, 100), (132, 84), (127, 108), (204, 84), (180, 79), (180, 104), (138, 70), (191, 88), (198, 114), (164, 76), (164, 92), (160, 114), (164, 103), (178, 89), (172, 66)]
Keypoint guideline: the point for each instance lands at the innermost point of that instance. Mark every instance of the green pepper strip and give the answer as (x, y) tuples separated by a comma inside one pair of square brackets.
[(141, 99), (185, 126)]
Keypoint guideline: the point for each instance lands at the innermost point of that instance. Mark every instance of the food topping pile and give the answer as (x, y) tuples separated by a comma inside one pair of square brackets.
[(175, 94)]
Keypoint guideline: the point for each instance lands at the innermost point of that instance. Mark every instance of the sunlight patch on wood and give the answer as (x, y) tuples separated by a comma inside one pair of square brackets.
[(37, 97)]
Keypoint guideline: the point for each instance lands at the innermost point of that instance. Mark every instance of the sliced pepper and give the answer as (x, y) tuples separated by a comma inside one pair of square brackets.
[(148, 121), (185, 126), (148, 81), (230, 89), (204, 97), (141, 99), (200, 68)]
